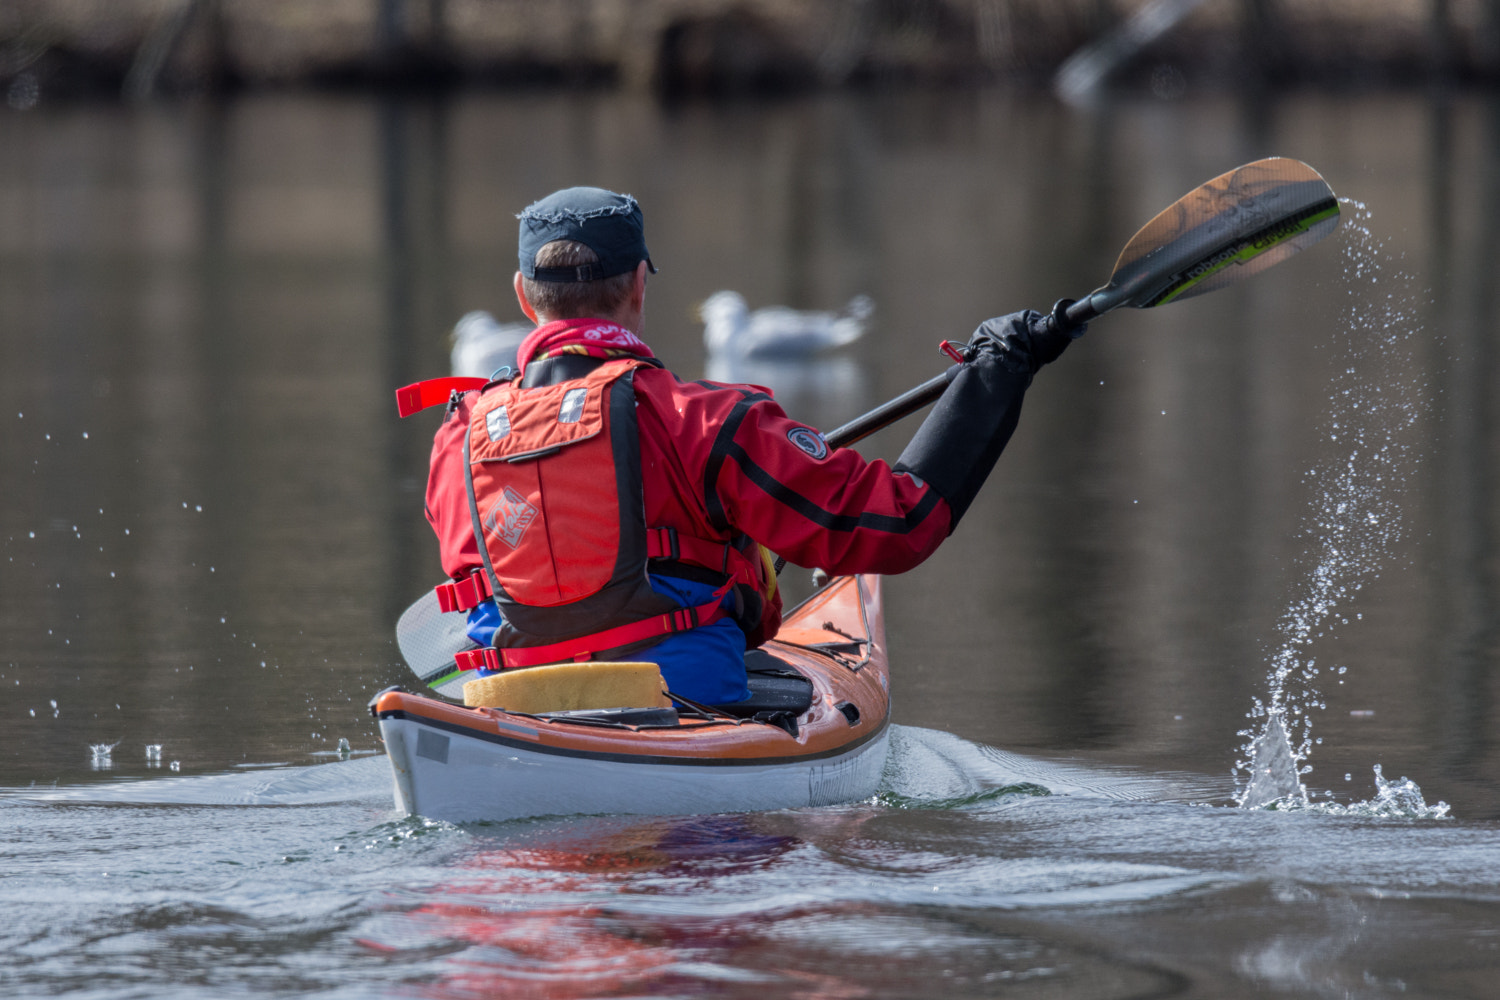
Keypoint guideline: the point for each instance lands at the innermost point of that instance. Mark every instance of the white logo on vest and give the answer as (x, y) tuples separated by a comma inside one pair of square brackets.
[(510, 517)]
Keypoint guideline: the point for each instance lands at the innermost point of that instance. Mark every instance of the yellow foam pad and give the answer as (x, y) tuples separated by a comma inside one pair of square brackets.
[(566, 687)]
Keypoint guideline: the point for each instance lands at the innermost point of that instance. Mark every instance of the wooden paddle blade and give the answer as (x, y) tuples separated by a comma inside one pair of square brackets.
[(1236, 225)]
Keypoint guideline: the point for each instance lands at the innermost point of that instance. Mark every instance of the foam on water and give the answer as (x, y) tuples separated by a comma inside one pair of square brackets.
[(1353, 524)]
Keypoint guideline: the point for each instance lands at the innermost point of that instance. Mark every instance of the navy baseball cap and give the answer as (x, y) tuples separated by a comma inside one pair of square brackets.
[(609, 224)]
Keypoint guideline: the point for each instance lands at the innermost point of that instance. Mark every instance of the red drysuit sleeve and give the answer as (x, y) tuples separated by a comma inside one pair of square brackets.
[(759, 472)]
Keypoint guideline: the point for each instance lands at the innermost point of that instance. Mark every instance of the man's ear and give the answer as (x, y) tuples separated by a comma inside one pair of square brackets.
[(521, 298), (638, 288)]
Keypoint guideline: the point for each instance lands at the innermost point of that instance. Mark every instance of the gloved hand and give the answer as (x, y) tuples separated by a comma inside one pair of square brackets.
[(1025, 341)]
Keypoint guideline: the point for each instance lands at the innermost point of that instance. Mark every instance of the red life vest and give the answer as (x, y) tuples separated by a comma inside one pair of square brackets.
[(556, 501)]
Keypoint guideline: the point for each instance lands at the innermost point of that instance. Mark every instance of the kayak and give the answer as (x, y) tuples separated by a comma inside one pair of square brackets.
[(814, 732)]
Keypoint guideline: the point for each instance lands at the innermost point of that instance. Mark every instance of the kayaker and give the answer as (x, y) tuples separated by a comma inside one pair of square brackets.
[(627, 514)]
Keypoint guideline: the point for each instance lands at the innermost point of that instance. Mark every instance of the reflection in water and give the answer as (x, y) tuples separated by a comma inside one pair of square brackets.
[(538, 918)]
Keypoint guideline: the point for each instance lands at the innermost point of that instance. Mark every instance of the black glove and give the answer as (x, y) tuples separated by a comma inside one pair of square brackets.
[(959, 442), (1026, 340)]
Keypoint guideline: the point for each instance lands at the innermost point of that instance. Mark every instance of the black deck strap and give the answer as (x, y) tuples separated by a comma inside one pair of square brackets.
[(962, 438)]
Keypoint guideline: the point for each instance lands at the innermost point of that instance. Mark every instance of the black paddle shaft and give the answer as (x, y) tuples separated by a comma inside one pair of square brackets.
[(1067, 314)]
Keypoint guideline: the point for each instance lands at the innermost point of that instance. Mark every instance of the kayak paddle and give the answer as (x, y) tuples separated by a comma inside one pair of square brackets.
[(1236, 225)]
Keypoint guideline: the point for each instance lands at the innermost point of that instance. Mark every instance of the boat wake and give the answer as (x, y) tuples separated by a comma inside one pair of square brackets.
[(925, 769), (362, 780), (931, 769)]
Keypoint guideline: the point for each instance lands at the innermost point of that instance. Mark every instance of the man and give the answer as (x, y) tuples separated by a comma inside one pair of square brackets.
[(596, 506)]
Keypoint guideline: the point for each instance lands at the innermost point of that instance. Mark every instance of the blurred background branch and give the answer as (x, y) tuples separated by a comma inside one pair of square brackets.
[(685, 48)]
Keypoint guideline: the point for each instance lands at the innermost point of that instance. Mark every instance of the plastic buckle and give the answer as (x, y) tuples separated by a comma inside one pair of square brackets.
[(472, 590), (463, 595), (478, 659), (662, 544)]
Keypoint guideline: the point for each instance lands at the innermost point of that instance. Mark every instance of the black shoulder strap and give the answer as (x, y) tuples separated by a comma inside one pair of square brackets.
[(558, 369)]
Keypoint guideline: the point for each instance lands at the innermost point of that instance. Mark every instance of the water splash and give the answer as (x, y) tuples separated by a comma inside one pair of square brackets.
[(1355, 519), (1400, 799)]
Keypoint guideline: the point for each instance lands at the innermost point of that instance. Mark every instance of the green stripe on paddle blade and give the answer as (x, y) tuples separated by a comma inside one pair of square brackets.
[(1236, 225), (452, 686)]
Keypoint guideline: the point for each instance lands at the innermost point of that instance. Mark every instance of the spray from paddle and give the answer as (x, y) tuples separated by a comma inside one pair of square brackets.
[(1354, 524)]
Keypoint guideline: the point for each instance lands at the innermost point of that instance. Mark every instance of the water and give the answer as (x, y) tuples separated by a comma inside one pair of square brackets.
[(975, 872), (211, 520)]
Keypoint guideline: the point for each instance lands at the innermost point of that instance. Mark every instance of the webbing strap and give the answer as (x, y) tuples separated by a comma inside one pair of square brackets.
[(584, 647), (462, 595), (668, 543), (434, 391)]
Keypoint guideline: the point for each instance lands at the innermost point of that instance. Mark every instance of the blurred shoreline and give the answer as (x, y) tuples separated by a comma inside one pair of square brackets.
[(715, 48)]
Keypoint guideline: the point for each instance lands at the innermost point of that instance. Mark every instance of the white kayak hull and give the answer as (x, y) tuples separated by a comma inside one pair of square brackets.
[(463, 778)]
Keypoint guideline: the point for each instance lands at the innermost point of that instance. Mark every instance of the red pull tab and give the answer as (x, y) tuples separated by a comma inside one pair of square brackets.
[(954, 350), (420, 395)]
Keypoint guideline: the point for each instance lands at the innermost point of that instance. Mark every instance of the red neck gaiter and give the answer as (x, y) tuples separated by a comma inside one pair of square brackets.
[(599, 338)]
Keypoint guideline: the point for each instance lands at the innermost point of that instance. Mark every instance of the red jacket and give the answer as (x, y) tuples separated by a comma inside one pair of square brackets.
[(724, 459)]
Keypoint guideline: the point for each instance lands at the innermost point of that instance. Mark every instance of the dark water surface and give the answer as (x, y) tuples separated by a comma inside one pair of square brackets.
[(211, 519)]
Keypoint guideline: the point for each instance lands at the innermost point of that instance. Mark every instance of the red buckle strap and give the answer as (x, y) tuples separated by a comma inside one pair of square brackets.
[(462, 595), (584, 647), (420, 395), (478, 659)]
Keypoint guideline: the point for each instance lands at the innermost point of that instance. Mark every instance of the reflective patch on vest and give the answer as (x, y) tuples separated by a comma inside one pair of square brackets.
[(510, 517), (572, 406), (497, 422), (809, 441)]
